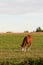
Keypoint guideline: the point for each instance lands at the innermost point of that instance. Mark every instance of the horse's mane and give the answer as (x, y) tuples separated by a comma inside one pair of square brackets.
[(24, 41)]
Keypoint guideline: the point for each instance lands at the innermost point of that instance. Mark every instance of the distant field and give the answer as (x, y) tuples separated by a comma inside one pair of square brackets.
[(10, 45)]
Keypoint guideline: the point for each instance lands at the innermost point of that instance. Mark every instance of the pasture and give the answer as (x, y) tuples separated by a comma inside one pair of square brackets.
[(10, 47)]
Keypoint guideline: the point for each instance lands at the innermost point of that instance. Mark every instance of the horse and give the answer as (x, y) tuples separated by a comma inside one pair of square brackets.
[(26, 41)]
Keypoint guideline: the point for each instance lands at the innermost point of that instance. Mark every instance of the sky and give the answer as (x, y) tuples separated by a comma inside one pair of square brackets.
[(21, 15)]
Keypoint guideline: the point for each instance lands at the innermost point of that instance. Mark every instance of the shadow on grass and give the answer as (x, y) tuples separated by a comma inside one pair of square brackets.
[(27, 61)]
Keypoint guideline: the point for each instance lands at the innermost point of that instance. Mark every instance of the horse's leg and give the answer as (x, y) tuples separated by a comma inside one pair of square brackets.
[(29, 46)]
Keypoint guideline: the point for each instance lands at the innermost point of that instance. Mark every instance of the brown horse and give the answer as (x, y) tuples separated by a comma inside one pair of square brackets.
[(26, 41)]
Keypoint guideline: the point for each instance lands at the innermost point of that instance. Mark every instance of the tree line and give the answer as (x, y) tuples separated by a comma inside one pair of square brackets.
[(38, 29)]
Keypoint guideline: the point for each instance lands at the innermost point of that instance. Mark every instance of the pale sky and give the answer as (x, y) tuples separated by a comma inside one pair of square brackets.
[(20, 15)]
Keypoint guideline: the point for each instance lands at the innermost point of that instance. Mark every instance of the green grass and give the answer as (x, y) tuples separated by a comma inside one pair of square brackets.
[(10, 45), (28, 61), (14, 41), (11, 41)]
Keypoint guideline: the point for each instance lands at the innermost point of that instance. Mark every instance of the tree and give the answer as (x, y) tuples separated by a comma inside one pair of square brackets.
[(38, 29), (26, 31)]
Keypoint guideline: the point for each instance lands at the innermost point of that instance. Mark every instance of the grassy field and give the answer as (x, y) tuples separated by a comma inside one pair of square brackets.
[(10, 47)]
